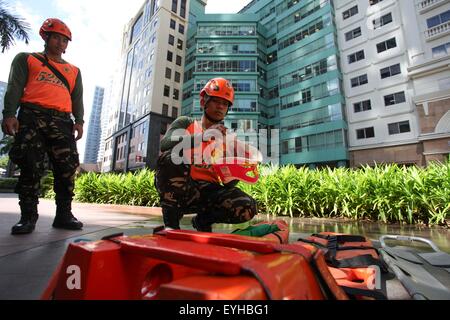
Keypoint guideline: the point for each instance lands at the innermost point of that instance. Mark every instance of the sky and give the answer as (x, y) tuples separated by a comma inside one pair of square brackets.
[(97, 27)]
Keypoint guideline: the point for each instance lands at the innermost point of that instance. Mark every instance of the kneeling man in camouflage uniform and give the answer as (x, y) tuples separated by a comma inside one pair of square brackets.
[(193, 186)]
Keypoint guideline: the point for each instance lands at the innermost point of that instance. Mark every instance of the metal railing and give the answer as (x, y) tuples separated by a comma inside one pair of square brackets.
[(428, 3), (425, 6), (438, 30)]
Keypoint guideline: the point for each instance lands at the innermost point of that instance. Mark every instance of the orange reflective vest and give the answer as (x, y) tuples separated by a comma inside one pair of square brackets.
[(201, 171), (43, 88)]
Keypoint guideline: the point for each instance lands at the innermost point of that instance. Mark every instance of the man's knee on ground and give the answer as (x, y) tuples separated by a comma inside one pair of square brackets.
[(250, 209)]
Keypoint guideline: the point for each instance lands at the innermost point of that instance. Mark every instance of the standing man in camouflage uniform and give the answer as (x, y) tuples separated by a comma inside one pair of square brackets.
[(48, 90), (193, 186)]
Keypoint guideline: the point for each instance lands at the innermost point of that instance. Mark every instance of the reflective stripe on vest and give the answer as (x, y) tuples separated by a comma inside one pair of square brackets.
[(43, 88)]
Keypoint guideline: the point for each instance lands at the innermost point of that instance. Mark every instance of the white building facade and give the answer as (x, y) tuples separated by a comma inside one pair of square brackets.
[(386, 48)]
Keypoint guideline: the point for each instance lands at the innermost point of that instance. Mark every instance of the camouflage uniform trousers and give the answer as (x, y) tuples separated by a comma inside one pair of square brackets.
[(213, 203), (40, 133)]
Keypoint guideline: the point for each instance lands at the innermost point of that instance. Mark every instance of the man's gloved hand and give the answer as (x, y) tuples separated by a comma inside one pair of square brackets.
[(10, 126), (78, 127)]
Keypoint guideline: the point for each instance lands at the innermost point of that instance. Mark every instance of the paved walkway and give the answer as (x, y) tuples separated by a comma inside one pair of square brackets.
[(27, 261)]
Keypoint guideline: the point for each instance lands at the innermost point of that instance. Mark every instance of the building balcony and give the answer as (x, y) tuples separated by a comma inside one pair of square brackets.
[(438, 31), (427, 5)]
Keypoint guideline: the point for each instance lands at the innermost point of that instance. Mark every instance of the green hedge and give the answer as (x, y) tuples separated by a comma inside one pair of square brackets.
[(135, 189), (8, 183), (388, 193), (384, 193), (47, 186)]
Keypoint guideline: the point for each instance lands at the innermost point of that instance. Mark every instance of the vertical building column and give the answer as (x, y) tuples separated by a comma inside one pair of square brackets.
[(412, 32)]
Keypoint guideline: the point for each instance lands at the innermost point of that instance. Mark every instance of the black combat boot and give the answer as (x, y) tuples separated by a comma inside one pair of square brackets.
[(199, 226), (171, 218), (28, 218), (64, 218)]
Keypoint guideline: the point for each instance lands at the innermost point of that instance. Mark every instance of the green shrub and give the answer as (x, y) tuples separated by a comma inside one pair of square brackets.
[(8, 183), (387, 193), (47, 186), (132, 188), (4, 161)]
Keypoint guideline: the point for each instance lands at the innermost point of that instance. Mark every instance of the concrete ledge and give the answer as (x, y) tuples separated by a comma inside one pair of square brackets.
[(138, 210)]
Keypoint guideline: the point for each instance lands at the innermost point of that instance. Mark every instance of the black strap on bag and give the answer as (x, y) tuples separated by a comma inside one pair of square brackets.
[(55, 71), (341, 237), (375, 294), (333, 247), (364, 260)]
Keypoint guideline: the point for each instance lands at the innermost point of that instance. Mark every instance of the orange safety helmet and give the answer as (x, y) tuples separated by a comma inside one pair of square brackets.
[(219, 87), (54, 25)]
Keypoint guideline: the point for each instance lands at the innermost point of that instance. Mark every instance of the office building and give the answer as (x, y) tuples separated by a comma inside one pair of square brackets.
[(94, 129), (282, 58), (150, 82), (3, 86)]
